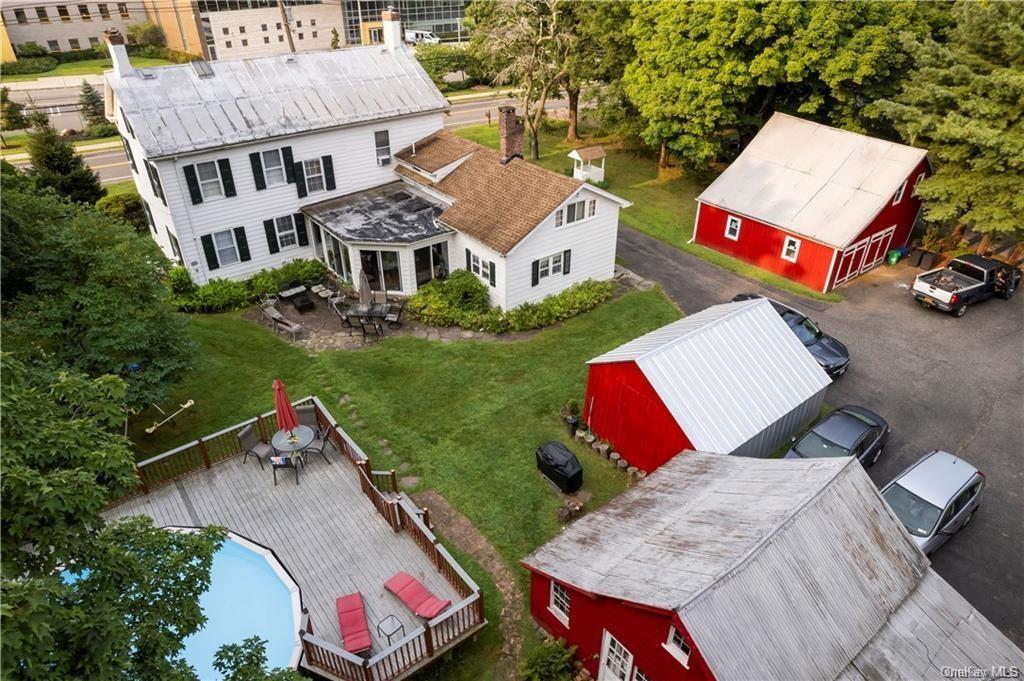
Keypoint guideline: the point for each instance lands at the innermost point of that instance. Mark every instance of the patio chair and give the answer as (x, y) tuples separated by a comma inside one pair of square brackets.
[(252, 445), (355, 633), (371, 328), (337, 306), (379, 297), (394, 316), (415, 596)]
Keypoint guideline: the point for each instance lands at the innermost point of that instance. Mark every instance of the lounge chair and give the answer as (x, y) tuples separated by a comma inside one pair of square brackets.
[(252, 445), (415, 596), (355, 634), (282, 323), (394, 316)]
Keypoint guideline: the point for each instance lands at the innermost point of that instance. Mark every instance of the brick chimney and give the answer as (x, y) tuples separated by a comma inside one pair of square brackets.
[(391, 19), (510, 134), (118, 52)]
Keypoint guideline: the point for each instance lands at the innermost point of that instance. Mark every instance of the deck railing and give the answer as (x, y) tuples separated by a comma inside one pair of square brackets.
[(380, 487)]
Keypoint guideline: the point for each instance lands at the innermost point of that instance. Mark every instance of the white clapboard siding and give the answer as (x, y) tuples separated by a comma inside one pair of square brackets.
[(592, 242), (355, 168)]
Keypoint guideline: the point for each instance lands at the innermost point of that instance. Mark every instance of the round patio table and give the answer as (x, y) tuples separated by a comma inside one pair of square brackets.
[(304, 435)]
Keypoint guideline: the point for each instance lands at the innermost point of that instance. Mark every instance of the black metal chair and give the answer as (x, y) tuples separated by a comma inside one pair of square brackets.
[(252, 445), (394, 316), (337, 306), (372, 328)]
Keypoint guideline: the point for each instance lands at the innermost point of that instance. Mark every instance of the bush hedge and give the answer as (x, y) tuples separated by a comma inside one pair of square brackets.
[(220, 295), (549, 661), (27, 65), (461, 300)]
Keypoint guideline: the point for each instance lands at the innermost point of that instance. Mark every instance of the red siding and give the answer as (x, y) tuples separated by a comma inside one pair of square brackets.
[(622, 407), (761, 245), (641, 630)]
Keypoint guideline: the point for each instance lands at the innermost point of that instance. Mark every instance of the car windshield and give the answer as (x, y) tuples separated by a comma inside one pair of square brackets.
[(806, 330), (813, 446), (916, 514)]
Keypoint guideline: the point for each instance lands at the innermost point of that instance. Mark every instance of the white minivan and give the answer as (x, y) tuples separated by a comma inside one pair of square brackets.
[(417, 37)]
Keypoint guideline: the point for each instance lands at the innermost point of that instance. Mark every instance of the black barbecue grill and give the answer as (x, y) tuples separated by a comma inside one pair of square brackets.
[(560, 467)]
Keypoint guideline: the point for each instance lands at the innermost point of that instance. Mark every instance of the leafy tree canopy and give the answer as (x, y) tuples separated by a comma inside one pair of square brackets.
[(964, 104), (12, 113), (247, 661)]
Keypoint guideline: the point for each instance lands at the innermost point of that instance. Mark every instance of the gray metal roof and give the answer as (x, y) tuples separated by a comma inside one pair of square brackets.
[(778, 571), (175, 111), (811, 179), (727, 372), (390, 213)]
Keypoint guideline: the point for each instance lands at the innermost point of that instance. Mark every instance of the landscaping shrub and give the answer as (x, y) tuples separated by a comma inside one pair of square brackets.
[(127, 207), (180, 281), (305, 272), (217, 295), (99, 130), (97, 52), (158, 52), (29, 65), (550, 661), (220, 295), (30, 49)]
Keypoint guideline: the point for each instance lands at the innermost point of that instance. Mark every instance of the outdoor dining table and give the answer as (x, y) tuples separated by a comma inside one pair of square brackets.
[(304, 436), (379, 310)]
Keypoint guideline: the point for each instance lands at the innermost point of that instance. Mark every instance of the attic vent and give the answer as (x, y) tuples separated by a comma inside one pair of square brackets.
[(147, 74), (202, 69)]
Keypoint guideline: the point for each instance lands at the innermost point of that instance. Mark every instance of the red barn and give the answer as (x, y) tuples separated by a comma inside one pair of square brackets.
[(724, 567), (812, 203), (731, 379)]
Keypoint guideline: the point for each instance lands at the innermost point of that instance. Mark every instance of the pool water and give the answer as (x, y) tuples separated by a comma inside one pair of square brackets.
[(246, 598)]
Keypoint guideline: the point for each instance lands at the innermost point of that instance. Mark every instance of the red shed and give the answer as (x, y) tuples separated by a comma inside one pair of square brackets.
[(731, 379), (812, 203), (725, 567)]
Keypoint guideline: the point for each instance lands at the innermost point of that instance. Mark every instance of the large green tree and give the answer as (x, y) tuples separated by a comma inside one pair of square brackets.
[(965, 103), (89, 294), (57, 165), (707, 74)]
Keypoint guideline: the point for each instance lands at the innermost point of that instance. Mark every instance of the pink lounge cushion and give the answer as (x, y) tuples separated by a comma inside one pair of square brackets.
[(415, 595), (352, 622)]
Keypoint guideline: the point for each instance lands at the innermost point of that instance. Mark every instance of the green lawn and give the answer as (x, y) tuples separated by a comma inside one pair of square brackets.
[(466, 416), (14, 142), (86, 67), (121, 187), (664, 207)]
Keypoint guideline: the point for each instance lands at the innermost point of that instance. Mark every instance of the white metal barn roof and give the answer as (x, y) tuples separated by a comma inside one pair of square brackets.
[(725, 373), (173, 110), (824, 183), (781, 569)]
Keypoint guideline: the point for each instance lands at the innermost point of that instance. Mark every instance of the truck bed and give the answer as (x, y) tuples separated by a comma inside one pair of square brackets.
[(948, 280)]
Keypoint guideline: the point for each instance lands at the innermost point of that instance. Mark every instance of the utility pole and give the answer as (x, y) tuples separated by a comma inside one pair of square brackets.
[(287, 26)]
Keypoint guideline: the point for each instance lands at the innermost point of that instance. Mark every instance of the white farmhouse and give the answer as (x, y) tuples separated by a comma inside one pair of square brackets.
[(341, 156)]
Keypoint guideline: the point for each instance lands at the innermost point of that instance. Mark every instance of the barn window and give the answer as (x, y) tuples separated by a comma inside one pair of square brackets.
[(559, 605), (732, 228), (639, 675), (917, 182), (677, 647), (790, 249), (899, 193)]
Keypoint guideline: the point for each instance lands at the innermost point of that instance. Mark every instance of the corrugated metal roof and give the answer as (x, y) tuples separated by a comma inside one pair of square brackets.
[(727, 372), (811, 179), (778, 571), (246, 100)]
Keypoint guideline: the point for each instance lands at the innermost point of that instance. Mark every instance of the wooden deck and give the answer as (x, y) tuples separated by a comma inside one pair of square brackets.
[(324, 530)]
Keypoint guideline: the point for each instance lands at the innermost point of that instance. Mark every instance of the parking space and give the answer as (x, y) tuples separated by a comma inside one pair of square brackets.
[(954, 384)]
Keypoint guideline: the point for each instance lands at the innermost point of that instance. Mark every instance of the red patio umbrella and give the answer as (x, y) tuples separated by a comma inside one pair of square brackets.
[(287, 419)]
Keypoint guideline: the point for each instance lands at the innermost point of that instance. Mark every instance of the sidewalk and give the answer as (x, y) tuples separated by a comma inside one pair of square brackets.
[(483, 95), (55, 83)]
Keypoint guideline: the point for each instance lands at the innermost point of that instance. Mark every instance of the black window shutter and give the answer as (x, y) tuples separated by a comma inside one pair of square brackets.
[(211, 252), (257, 170), (536, 273), (300, 229), (149, 216), (193, 184), (491, 275), (225, 176), (128, 153), (127, 124), (289, 162), (154, 181), (300, 179), (243, 244), (268, 226), (469, 260), (328, 165), (566, 255)]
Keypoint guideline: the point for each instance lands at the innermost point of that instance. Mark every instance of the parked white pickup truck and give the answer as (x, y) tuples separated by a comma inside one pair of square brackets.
[(965, 281)]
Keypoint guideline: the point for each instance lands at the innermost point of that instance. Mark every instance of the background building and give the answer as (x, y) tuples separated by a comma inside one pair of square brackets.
[(441, 17), (61, 27)]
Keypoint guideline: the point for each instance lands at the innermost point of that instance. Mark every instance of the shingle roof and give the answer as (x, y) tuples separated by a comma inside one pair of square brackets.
[(497, 204), (811, 179), (726, 373), (777, 571), (176, 111), (588, 153)]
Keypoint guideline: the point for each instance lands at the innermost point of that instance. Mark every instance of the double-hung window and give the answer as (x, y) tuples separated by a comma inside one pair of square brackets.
[(677, 647), (19, 16), (382, 143), (899, 193), (790, 249), (313, 169), (74, 44), (287, 237), (104, 11), (559, 603), (44, 18), (83, 11), (209, 180), (227, 249), (122, 8), (732, 228), (273, 167), (62, 12), (550, 266)]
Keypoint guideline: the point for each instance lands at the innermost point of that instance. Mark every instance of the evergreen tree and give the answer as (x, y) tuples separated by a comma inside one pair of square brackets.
[(90, 103), (12, 114), (55, 164), (335, 39)]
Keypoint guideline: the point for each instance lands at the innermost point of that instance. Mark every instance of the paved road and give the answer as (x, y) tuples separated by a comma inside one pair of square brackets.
[(955, 384)]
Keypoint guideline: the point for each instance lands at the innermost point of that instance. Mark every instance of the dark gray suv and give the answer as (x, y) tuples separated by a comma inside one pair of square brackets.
[(847, 431)]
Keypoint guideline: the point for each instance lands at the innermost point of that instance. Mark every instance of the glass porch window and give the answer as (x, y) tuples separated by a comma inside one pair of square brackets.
[(383, 269), (431, 262)]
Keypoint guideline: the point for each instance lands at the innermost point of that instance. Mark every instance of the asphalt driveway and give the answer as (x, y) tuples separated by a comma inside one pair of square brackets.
[(954, 384)]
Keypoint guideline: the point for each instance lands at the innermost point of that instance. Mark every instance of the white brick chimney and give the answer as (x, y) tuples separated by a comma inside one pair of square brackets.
[(392, 29), (118, 53)]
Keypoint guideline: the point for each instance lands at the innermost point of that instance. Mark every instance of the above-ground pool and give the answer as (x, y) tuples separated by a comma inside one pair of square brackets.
[(250, 594)]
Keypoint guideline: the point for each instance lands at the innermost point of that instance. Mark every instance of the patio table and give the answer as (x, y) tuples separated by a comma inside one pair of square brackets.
[(389, 626), (379, 310), (304, 438)]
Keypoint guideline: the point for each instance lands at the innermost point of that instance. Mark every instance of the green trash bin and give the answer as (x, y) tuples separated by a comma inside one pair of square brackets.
[(893, 257)]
